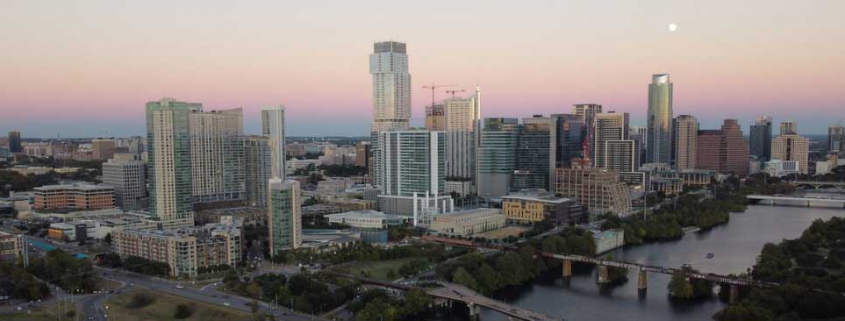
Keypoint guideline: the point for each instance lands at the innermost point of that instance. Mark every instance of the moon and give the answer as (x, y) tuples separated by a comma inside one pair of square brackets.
[(673, 27)]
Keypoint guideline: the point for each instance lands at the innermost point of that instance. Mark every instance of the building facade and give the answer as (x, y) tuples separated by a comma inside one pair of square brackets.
[(724, 151), (76, 196), (284, 216), (15, 145), (496, 156), (570, 138), (685, 142), (391, 86), (128, 179), (792, 148), (258, 168), (659, 141), (11, 247), (469, 222), (535, 154), (601, 191), (411, 161), (529, 207), (273, 126), (366, 219), (102, 149), (761, 139), (217, 170), (788, 127), (836, 138)]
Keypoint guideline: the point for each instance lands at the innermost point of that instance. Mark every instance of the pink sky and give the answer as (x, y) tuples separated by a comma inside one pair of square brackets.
[(77, 68)]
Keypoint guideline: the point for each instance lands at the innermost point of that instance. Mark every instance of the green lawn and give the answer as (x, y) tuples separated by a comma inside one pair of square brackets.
[(45, 313), (378, 270), (164, 307)]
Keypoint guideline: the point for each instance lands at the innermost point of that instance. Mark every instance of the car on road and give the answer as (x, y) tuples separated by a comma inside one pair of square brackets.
[(180, 286), (226, 303)]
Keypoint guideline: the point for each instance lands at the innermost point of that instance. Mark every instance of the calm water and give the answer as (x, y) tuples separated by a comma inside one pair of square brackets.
[(735, 246)]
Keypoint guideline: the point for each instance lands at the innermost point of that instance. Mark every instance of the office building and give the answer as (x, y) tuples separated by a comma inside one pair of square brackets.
[(586, 112), (684, 142), (496, 156), (128, 179), (258, 168), (187, 251), (169, 165), (469, 222), (217, 171), (620, 155), (15, 145), (411, 162), (599, 190), (273, 126), (609, 126), (284, 217), (535, 154), (570, 138), (638, 135), (792, 147), (366, 219), (761, 139), (75, 196), (363, 155), (781, 168), (836, 138), (788, 127), (11, 247), (659, 136), (102, 149), (724, 151), (531, 206)]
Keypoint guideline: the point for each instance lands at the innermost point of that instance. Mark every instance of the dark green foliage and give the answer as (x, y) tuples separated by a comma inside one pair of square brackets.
[(184, 311), (60, 268), (21, 284), (342, 170), (140, 300), (377, 305), (144, 266)]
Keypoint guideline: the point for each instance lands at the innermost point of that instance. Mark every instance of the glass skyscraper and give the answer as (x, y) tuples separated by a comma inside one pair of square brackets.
[(659, 141), (496, 159), (761, 139)]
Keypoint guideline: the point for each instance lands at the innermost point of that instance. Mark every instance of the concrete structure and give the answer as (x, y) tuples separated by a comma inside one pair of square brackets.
[(608, 240), (463, 188), (258, 168), (11, 247), (60, 231), (273, 126), (781, 168), (169, 166), (75, 196), (724, 151), (788, 127), (685, 141), (102, 149), (496, 156), (528, 207), (333, 185), (184, 250), (610, 126), (284, 217), (217, 171), (659, 139), (469, 222), (435, 117), (15, 145), (822, 168), (367, 219), (421, 208), (391, 86), (535, 154), (601, 191), (761, 139), (836, 138), (688, 178), (411, 161), (668, 186), (128, 179), (792, 147)]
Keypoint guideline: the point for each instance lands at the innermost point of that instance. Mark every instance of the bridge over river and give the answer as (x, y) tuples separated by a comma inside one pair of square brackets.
[(792, 200)]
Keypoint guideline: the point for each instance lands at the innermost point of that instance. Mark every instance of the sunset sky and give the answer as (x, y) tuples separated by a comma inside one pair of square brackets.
[(80, 68)]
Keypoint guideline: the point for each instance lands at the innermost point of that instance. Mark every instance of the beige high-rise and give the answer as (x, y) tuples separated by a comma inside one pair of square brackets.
[(792, 148), (599, 190), (686, 139)]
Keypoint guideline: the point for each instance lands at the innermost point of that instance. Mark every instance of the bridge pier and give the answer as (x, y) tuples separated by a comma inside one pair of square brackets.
[(567, 269), (474, 311), (642, 281), (734, 294), (603, 278)]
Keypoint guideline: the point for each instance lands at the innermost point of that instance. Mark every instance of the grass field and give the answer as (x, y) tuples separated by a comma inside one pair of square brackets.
[(164, 307), (45, 313), (378, 270)]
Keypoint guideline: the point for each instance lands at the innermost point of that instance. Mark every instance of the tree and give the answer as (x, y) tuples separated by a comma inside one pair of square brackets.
[(378, 310), (488, 279), (416, 301), (679, 287), (745, 313), (391, 275), (463, 277), (107, 239), (183, 311)]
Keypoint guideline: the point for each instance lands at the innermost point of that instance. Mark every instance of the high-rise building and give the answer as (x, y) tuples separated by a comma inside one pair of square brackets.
[(496, 159), (363, 155), (258, 168), (460, 119), (659, 141), (15, 145), (217, 169), (791, 147), (586, 112), (435, 117), (761, 139), (570, 138), (128, 180), (273, 126), (169, 153), (836, 138), (609, 126), (638, 135), (102, 149), (391, 86), (685, 139), (599, 190), (535, 154), (724, 151), (788, 127), (284, 216), (411, 162), (620, 155)]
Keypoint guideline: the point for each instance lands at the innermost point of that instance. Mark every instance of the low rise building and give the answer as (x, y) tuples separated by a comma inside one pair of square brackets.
[(11, 247), (601, 191), (61, 231), (462, 188), (333, 185), (74, 196), (689, 177), (469, 222), (367, 219), (530, 206), (781, 168), (669, 186)]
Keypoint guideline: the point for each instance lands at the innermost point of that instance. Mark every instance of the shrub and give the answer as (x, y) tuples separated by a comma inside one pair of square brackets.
[(140, 300), (183, 311)]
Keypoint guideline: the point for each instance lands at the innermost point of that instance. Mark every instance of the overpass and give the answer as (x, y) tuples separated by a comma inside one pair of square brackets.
[(642, 283), (451, 292), (793, 199), (819, 184)]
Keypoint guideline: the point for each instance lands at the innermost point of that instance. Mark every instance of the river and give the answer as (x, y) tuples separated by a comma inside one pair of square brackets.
[(735, 246)]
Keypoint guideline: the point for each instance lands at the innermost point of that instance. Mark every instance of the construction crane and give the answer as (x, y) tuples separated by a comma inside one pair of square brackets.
[(454, 91), (433, 87)]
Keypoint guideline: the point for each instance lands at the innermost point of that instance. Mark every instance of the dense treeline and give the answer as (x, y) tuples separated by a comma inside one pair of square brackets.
[(65, 270), (363, 252), (487, 274), (681, 287), (13, 181), (342, 170), (377, 305), (303, 292), (810, 270), (21, 284)]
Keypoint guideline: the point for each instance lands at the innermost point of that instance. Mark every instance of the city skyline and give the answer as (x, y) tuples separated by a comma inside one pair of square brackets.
[(727, 62)]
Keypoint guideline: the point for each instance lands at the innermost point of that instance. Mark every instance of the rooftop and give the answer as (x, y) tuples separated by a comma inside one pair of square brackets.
[(364, 214), (537, 196), (82, 187)]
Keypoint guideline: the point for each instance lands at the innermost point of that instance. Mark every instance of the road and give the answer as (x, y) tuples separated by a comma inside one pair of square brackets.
[(208, 295)]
